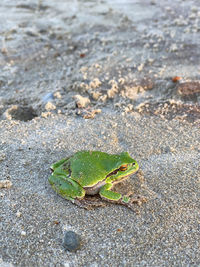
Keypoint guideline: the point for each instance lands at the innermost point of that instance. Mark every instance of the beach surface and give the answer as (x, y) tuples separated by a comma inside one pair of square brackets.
[(108, 76)]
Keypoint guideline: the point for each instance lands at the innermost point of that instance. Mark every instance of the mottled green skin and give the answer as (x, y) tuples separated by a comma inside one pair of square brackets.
[(72, 176)]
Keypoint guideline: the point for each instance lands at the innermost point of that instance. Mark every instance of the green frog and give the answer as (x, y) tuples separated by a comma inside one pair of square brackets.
[(90, 173)]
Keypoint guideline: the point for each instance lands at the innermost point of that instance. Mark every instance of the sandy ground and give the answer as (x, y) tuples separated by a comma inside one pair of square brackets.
[(121, 58)]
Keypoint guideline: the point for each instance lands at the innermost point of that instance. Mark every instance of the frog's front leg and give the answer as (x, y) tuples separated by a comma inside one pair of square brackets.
[(117, 198), (107, 194), (66, 187)]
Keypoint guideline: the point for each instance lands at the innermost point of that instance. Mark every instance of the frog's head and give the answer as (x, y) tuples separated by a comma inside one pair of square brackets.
[(125, 167)]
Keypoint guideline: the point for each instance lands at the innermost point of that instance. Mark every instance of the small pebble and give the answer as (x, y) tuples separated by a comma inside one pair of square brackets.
[(18, 214), (71, 241), (140, 67), (5, 184), (2, 156), (49, 106), (57, 95), (175, 79), (23, 233)]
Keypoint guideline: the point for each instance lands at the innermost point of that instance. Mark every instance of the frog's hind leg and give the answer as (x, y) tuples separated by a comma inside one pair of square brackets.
[(66, 187), (71, 190)]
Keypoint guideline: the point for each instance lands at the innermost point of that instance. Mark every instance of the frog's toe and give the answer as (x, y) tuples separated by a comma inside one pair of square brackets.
[(130, 193), (139, 200)]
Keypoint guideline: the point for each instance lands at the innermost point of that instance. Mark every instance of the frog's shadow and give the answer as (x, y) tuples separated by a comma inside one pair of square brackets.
[(130, 186)]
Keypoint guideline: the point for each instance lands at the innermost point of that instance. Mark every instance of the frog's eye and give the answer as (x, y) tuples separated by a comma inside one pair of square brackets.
[(123, 167)]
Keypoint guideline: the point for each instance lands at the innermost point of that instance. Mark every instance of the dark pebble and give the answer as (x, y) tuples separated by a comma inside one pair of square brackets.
[(71, 241)]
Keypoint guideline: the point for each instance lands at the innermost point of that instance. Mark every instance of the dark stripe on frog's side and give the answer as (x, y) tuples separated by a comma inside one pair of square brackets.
[(113, 173)]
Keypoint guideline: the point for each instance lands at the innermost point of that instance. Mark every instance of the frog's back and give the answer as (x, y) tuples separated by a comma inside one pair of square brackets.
[(90, 167)]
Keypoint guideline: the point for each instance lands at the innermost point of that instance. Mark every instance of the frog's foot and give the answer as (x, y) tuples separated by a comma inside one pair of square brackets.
[(117, 198), (138, 200), (88, 203), (130, 202)]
